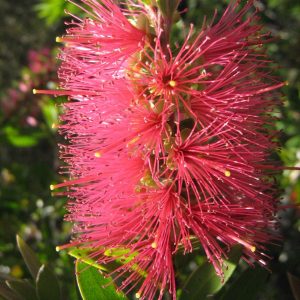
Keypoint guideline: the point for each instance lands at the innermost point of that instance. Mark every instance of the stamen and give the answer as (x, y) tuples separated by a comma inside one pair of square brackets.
[(133, 140), (154, 245), (58, 39), (227, 173), (244, 243), (98, 154), (52, 187), (172, 83), (138, 295)]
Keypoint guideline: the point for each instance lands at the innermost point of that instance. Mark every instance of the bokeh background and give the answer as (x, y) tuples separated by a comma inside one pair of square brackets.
[(29, 155)]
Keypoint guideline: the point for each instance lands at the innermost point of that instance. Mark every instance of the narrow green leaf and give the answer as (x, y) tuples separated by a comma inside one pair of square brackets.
[(204, 282), (248, 285), (29, 257), (7, 293), (93, 285), (47, 285), (295, 285), (83, 256), (122, 256), (23, 288)]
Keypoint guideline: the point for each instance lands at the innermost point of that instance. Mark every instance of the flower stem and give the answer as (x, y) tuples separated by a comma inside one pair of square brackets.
[(167, 9)]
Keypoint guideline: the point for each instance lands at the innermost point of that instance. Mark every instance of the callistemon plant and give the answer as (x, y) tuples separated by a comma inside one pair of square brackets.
[(169, 142)]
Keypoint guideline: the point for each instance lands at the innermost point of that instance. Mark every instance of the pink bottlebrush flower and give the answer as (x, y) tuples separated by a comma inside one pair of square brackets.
[(98, 46), (167, 143)]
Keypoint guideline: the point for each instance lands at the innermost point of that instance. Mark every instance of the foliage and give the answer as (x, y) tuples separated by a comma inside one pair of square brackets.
[(52, 11), (43, 286)]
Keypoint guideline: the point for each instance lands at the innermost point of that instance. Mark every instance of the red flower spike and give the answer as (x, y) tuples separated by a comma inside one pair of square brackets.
[(165, 145)]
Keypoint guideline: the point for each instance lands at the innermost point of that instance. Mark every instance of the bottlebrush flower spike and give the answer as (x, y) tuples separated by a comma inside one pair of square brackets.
[(167, 143)]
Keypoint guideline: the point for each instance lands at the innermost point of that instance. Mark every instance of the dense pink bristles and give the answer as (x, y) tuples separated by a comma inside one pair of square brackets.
[(167, 146)]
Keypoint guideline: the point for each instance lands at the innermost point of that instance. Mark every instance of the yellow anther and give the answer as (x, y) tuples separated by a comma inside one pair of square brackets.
[(58, 39), (54, 126), (286, 83), (147, 180), (52, 187), (135, 68), (133, 140), (227, 173), (57, 248), (172, 83), (154, 245), (244, 243), (138, 189), (138, 295), (97, 154), (34, 91)]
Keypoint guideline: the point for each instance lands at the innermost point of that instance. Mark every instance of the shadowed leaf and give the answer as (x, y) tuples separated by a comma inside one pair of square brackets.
[(204, 282), (29, 257), (295, 285), (7, 293), (23, 288), (47, 285), (248, 285)]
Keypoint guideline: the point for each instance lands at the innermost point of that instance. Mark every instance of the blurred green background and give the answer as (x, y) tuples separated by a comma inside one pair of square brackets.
[(29, 155)]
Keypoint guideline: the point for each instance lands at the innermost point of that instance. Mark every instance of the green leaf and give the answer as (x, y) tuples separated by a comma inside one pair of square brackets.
[(92, 284), (7, 293), (30, 258), (47, 285), (295, 285), (6, 277), (50, 113), (204, 282), (83, 255), (122, 256), (147, 2), (251, 281), (20, 140), (23, 288), (54, 10), (22, 137)]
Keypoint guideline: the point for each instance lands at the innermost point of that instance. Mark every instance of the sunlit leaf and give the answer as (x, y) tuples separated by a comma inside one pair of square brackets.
[(83, 256), (93, 285), (121, 255)]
